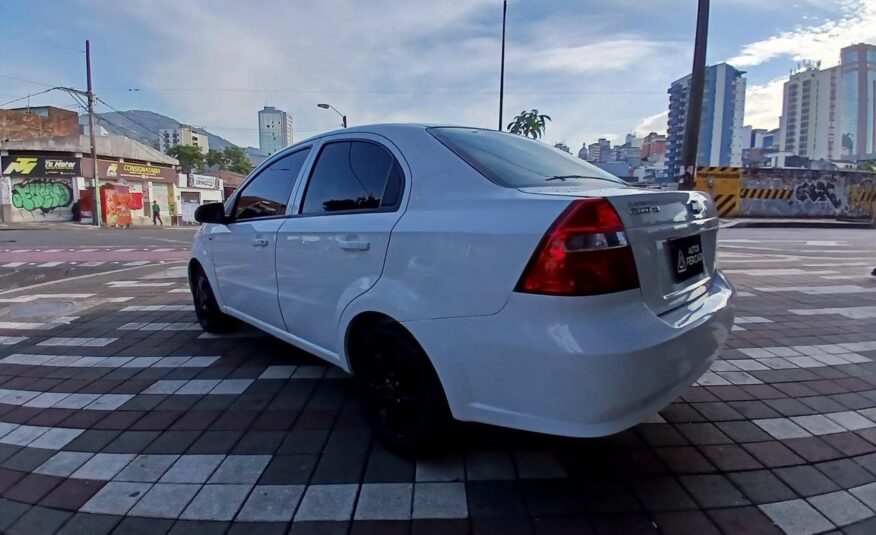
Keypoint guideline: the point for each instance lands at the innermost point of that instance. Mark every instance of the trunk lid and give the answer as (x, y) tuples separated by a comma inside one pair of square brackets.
[(654, 222)]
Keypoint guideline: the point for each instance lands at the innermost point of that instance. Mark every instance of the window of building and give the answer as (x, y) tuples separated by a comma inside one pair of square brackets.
[(353, 176), (268, 193)]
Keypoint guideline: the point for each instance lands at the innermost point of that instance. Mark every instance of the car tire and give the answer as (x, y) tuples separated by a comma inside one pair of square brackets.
[(211, 318), (400, 393)]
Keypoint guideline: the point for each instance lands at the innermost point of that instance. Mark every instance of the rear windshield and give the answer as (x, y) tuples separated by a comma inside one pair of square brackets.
[(517, 162)]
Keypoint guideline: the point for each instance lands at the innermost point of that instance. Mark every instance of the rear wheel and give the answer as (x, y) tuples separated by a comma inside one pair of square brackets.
[(211, 318), (400, 392)]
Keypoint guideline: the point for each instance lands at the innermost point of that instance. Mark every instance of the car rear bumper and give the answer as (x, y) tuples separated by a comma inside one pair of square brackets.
[(575, 366)]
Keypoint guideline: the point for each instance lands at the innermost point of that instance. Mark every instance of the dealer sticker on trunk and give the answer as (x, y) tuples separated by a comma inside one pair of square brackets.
[(686, 257)]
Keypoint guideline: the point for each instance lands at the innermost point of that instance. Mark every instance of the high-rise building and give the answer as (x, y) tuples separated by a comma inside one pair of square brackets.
[(275, 130), (599, 151), (182, 135), (857, 101), (722, 114), (563, 147), (809, 105), (653, 146)]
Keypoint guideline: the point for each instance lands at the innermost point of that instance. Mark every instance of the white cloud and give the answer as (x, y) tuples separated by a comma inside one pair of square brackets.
[(763, 104), (653, 123), (822, 42)]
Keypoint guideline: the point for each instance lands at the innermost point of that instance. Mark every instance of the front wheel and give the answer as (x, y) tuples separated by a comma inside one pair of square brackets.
[(211, 318), (401, 395)]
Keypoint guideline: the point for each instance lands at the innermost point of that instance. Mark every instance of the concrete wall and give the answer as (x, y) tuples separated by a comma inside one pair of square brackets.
[(790, 193), (16, 125)]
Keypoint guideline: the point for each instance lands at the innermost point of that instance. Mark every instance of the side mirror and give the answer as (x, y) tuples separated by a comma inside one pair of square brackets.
[(213, 212)]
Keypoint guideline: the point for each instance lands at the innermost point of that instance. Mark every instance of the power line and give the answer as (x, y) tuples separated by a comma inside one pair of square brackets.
[(27, 97), (340, 92), (25, 80), (125, 115), (43, 43)]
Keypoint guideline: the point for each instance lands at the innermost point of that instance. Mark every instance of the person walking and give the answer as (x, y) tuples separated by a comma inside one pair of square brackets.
[(156, 214)]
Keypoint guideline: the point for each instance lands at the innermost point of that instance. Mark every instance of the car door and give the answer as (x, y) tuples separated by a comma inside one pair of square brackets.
[(244, 249), (334, 249)]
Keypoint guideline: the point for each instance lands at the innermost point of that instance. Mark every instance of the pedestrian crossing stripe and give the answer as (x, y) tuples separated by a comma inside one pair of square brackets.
[(766, 193), (727, 205)]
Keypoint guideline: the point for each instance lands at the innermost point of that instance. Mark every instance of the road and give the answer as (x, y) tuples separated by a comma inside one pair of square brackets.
[(118, 413), (37, 256)]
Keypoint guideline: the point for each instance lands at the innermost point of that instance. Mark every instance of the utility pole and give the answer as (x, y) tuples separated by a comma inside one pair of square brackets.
[(502, 68), (695, 99), (90, 94), (344, 121)]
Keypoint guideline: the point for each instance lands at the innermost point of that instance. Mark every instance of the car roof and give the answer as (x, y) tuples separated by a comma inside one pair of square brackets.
[(385, 129)]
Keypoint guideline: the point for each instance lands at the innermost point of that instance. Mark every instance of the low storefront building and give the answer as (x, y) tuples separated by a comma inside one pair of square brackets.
[(191, 191), (37, 186), (51, 179)]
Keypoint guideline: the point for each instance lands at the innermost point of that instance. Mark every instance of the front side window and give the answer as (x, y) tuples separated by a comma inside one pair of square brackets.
[(353, 175), (515, 162), (268, 193)]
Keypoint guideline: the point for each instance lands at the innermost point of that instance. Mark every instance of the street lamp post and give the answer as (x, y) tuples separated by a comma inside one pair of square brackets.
[(330, 107)]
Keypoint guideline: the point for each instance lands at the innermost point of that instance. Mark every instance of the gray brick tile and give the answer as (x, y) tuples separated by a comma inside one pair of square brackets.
[(165, 500), (192, 469), (63, 463), (489, 466), (841, 508), (384, 501), (216, 502), (240, 469), (115, 498), (271, 503), (796, 517), (103, 466), (327, 502), (538, 465), (447, 468), (146, 468), (440, 500)]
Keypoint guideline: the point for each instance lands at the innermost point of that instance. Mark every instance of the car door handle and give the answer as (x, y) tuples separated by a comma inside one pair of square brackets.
[(259, 242), (354, 245)]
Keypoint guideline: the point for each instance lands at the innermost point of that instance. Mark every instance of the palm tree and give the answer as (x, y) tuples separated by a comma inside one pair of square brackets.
[(529, 124)]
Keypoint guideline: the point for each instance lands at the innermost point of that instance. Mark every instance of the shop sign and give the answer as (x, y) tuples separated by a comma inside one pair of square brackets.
[(121, 171), (40, 166), (203, 182)]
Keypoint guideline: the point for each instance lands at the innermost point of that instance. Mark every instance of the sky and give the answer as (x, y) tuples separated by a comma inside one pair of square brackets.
[(598, 68)]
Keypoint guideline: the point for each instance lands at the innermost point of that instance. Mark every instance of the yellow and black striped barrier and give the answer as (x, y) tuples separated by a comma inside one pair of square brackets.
[(766, 193), (727, 204), (863, 196)]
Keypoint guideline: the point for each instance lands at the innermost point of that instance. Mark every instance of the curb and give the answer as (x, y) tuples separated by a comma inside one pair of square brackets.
[(800, 224)]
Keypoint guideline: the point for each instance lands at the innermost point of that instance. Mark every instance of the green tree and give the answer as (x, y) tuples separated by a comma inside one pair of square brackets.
[(191, 159), (529, 124), (236, 160), (232, 158), (869, 166), (217, 158)]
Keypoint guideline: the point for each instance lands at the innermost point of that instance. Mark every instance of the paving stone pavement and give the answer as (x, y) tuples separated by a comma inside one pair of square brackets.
[(126, 418)]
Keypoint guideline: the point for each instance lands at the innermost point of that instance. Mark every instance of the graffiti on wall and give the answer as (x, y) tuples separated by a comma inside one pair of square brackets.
[(818, 191), (46, 198), (806, 193)]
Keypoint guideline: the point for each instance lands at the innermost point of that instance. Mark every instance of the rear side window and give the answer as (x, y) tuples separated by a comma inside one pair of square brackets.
[(268, 193), (353, 176), (515, 161)]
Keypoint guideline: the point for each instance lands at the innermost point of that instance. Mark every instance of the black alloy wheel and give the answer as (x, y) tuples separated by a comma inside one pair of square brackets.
[(400, 393), (211, 318)]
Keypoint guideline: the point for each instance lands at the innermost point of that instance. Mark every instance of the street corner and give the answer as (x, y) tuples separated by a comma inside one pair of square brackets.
[(124, 414)]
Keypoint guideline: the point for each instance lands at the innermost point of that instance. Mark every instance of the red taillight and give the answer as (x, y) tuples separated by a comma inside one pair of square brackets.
[(585, 252)]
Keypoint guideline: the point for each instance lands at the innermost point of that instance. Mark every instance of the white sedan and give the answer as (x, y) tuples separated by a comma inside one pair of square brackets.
[(470, 274)]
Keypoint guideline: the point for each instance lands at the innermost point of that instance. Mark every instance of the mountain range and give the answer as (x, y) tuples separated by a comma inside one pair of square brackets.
[(144, 125)]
